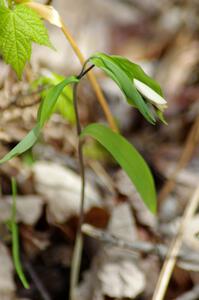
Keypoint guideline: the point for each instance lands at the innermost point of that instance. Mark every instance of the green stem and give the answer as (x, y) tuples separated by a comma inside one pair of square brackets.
[(77, 253), (15, 238)]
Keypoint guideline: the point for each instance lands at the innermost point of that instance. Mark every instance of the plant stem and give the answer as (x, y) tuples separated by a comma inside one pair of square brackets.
[(80, 155), (77, 253)]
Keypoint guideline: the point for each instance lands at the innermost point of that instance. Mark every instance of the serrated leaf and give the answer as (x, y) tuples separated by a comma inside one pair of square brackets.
[(125, 83), (19, 27), (31, 25), (43, 115), (128, 158)]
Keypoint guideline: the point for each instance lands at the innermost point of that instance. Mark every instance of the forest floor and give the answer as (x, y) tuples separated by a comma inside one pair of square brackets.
[(124, 244)]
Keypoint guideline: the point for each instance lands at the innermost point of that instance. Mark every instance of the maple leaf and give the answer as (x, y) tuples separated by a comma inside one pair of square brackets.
[(19, 27)]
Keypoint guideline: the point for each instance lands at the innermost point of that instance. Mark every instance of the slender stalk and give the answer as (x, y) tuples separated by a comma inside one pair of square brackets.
[(80, 155), (77, 253), (170, 261), (15, 238)]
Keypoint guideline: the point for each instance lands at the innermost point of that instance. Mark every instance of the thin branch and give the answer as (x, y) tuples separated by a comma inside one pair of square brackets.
[(137, 246), (174, 249)]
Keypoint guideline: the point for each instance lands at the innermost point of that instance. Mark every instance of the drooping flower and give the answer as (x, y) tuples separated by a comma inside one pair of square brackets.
[(151, 95), (141, 91)]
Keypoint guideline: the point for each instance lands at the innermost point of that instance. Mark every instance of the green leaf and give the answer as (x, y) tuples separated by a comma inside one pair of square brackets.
[(19, 27), (128, 158), (113, 69), (15, 239), (43, 115), (50, 100), (135, 71), (28, 141), (64, 104)]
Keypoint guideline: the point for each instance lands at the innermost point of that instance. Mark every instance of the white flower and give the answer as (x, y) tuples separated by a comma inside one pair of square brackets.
[(150, 95)]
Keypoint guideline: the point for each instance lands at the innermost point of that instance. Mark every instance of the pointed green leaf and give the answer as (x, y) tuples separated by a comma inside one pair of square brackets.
[(64, 104), (50, 100), (28, 141), (19, 27), (135, 71), (128, 158), (113, 69)]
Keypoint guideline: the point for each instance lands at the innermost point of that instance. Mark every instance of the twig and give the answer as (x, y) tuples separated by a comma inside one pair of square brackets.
[(170, 260), (137, 246), (190, 144)]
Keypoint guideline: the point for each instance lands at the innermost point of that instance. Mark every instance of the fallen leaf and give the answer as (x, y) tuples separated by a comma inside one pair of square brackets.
[(61, 189), (29, 209)]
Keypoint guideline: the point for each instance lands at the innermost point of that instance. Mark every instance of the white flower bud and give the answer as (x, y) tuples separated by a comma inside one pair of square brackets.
[(150, 95)]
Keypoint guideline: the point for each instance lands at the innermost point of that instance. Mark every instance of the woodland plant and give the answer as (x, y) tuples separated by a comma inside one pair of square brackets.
[(20, 26)]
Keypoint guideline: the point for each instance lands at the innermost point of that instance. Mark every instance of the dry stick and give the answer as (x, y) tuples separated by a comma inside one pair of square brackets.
[(186, 155), (137, 246), (170, 260)]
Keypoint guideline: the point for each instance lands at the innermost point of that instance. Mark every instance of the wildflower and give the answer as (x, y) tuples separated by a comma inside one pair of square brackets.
[(151, 95)]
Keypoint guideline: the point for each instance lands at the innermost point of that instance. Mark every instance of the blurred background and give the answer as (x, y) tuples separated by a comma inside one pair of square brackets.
[(163, 37)]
